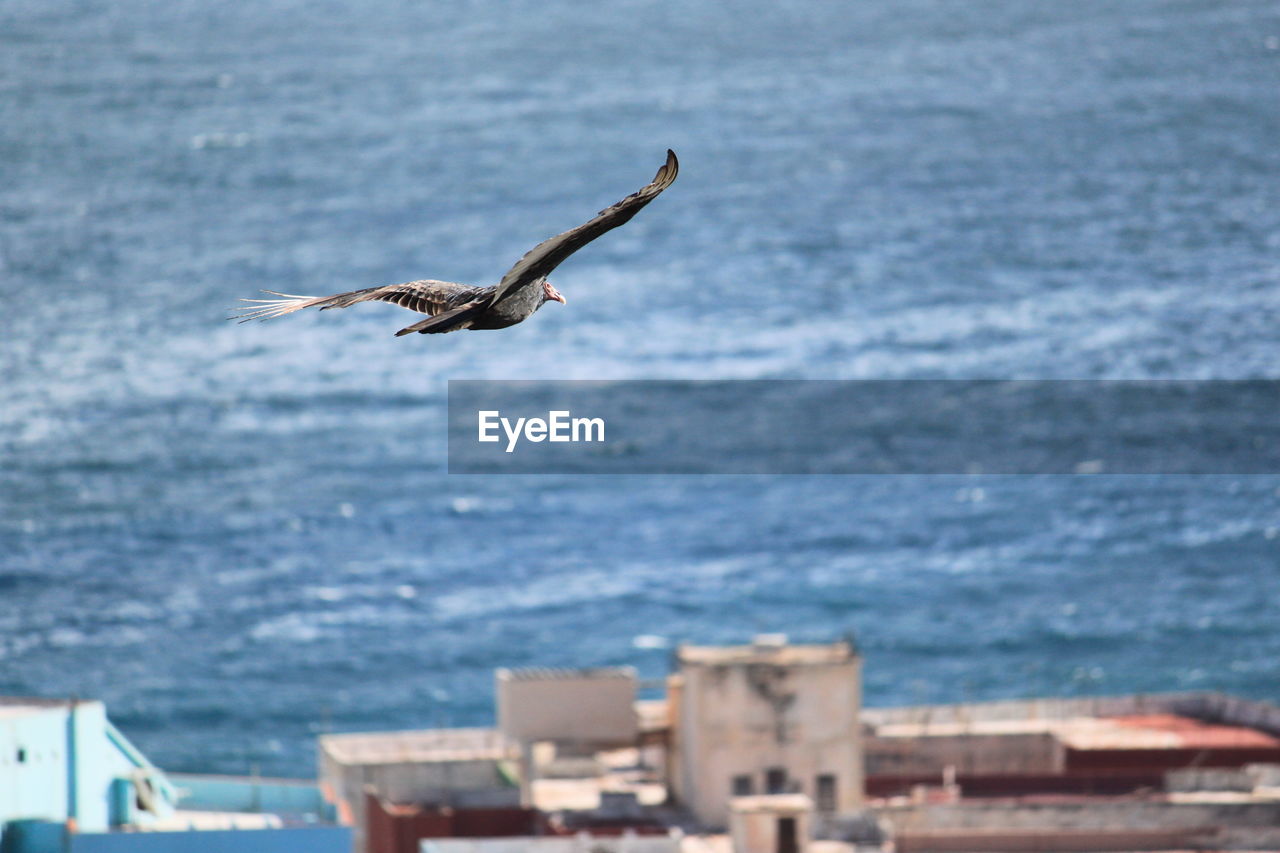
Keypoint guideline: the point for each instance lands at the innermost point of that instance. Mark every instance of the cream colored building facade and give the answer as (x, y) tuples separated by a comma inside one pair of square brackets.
[(773, 823), (586, 706), (768, 718)]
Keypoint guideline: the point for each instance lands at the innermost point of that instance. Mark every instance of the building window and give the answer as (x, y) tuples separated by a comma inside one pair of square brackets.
[(22, 756), (742, 786), (775, 780), (825, 795)]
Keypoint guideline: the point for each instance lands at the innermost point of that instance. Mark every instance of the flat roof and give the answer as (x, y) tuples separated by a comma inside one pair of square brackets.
[(778, 654), (953, 728), (1135, 731), (418, 746), (541, 673), (653, 715), (1170, 731), (21, 706), (183, 820), (772, 803)]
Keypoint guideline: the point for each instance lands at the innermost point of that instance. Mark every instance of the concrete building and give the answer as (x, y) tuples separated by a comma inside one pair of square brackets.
[(770, 823), (1105, 745), (592, 707), (1151, 822), (70, 782), (575, 712), (63, 760), (768, 718), (1155, 772), (400, 828), (461, 768)]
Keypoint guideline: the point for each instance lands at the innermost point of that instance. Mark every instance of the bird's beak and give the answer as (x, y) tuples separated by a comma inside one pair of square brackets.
[(554, 295)]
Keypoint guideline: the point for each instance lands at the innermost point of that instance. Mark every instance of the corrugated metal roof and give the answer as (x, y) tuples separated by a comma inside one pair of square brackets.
[(419, 747)]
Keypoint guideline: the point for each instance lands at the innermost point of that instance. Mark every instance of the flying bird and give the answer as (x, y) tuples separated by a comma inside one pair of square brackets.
[(452, 306)]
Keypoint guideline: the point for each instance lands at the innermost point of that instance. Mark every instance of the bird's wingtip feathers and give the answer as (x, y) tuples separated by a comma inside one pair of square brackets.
[(667, 174), (265, 309)]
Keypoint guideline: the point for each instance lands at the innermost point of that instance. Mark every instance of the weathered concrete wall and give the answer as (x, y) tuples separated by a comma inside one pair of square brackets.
[(744, 718), (1208, 779), (1085, 814), (756, 828), (1052, 841), (986, 754), (477, 784)]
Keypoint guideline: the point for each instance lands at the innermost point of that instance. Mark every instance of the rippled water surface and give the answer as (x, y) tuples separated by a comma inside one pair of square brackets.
[(237, 536)]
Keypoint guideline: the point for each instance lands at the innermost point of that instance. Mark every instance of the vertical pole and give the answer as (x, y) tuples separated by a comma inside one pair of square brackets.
[(73, 781), (527, 766)]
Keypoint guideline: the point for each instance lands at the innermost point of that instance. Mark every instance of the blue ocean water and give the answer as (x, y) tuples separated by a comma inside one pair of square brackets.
[(239, 536)]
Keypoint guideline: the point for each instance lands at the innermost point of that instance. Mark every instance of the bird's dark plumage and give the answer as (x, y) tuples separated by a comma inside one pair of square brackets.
[(458, 306)]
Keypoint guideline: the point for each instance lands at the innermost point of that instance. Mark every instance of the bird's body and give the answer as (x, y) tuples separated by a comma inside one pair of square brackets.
[(512, 300)]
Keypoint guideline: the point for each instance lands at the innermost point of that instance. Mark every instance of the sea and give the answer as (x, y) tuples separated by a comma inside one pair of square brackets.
[(240, 537)]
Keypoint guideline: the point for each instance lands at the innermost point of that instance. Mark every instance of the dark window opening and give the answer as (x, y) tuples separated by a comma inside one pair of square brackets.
[(775, 780), (22, 755), (825, 796), (742, 786), (787, 841)]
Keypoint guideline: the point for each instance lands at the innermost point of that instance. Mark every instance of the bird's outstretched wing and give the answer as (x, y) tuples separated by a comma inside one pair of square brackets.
[(547, 255), (425, 297), (450, 321)]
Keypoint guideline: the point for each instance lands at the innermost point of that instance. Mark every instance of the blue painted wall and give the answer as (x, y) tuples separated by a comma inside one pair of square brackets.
[(248, 794), (32, 836), (33, 765), (40, 837), (321, 839), (59, 760)]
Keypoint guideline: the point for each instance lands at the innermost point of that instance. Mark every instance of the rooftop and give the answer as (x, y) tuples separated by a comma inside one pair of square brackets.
[(771, 649), (1137, 731), (1200, 706), (539, 673), (21, 706), (1168, 731), (424, 745), (772, 803), (653, 715)]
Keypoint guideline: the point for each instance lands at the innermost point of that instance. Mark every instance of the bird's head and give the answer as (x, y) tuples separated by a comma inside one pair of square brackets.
[(550, 294)]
